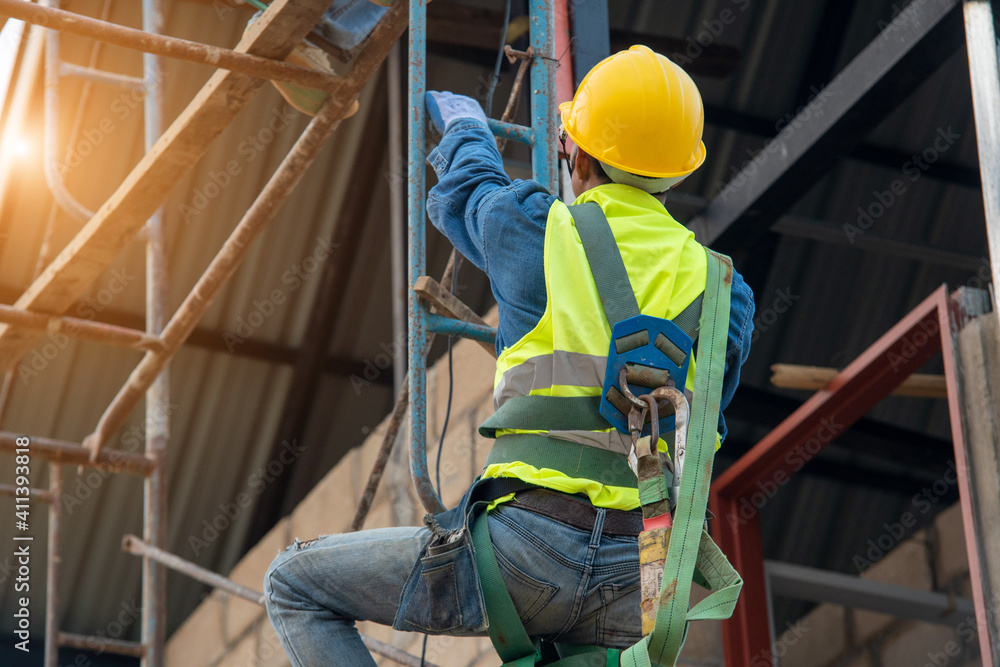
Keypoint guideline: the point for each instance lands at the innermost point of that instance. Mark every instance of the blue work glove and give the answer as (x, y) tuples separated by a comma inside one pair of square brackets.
[(443, 108)]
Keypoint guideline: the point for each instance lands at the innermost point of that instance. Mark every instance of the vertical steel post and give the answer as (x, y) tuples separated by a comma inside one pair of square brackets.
[(543, 80), (52, 574), (417, 314), (984, 72), (154, 574), (397, 211)]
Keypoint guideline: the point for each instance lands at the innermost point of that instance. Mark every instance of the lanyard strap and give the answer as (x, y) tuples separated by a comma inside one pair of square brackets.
[(690, 546)]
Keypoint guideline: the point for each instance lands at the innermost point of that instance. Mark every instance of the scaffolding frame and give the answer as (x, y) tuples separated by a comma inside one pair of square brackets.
[(240, 72)]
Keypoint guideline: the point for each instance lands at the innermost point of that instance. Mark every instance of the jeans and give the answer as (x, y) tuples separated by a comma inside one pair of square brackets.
[(568, 585)]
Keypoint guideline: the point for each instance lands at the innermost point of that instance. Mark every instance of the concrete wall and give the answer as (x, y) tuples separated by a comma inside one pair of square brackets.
[(932, 560), (228, 631)]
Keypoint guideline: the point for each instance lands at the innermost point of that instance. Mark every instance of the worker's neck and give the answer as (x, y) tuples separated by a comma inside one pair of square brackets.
[(590, 184)]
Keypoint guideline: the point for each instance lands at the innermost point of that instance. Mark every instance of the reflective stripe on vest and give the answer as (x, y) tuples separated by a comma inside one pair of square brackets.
[(566, 353)]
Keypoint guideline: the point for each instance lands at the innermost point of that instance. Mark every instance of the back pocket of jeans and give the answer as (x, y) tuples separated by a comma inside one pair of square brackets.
[(530, 595), (618, 621)]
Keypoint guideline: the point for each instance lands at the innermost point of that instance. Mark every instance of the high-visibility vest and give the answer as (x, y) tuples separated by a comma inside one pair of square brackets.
[(566, 353)]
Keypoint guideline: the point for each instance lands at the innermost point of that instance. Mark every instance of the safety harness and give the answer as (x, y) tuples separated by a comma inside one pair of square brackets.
[(646, 352)]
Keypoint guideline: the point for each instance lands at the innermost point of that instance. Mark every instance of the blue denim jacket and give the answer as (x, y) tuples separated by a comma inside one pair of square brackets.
[(499, 225)]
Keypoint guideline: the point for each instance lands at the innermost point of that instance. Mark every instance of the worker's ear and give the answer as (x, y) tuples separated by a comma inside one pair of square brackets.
[(584, 165)]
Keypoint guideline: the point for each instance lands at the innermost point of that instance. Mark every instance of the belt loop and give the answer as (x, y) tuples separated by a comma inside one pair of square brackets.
[(595, 536)]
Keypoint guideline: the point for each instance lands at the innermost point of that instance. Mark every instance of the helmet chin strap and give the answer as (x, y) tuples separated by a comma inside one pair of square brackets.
[(645, 183)]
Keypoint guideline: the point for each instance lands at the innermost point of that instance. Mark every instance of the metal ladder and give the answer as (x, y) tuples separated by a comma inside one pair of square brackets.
[(540, 136)]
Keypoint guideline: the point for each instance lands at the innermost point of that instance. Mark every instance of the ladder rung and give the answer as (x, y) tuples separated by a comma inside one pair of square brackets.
[(450, 305), (449, 327), (519, 133)]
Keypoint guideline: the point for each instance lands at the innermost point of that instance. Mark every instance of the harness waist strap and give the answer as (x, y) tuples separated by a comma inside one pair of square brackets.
[(570, 458)]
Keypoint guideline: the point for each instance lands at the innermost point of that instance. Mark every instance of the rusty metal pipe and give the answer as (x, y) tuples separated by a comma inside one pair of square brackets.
[(75, 327), (101, 644), (171, 47), (38, 495), (153, 633), (100, 76), (256, 218), (515, 92), (51, 658), (61, 451), (50, 150), (154, 575), (133, 545)]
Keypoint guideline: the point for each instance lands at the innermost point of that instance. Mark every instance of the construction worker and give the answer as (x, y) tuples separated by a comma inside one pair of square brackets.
[(566, 547)]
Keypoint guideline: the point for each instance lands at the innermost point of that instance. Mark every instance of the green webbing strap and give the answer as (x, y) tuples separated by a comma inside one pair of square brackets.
[(570, 458), (610, 275), (506, 631), (606, 262), (689, 546), (689, 318), (547, 413)]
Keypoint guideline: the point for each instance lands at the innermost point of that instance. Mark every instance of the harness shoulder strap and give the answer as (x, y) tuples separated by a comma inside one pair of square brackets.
[(610, 275), (606, 263)]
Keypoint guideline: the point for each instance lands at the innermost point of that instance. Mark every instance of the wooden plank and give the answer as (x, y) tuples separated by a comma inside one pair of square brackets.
[(450, 305), (791, 376), (81, 262)]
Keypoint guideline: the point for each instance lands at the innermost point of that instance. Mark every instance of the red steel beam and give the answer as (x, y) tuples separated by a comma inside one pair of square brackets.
[(741, 542), (741, 491)]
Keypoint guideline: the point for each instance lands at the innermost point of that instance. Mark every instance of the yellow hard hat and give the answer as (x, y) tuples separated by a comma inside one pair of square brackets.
[(638, 111)]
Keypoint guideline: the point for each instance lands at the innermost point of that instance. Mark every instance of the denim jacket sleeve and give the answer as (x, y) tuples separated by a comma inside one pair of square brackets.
[(741, 310), (497, 223)]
